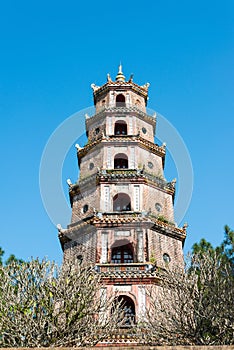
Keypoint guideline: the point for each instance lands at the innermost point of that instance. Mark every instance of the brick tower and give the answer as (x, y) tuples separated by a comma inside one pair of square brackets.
[(122, 206)]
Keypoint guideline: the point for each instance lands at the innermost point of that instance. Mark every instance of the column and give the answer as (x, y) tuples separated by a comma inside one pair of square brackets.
[(141, 302), (137, 198), (140, 246), (132, 158), (103, 259), (106, 198)]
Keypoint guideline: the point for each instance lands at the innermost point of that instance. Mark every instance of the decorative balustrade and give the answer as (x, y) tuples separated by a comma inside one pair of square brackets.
[(159, 150), (132, 271), (108, 174), (123, 267), (123, 109)]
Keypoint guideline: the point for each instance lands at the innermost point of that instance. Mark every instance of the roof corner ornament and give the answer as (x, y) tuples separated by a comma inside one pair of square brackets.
[(78, 147), (131, 78), (60, 229), (95, 87), (120, 76), (69, 182), (109, 78), (145, 86)]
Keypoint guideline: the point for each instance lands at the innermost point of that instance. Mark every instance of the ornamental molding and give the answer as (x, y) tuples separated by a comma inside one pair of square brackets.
[(130, 110), (116, 139)]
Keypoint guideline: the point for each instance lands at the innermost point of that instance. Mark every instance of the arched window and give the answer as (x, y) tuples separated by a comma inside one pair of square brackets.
[(121, 202), (127, 313), (80, 259), (120, 127), (121, 161), (122, 254), (138, 103), (120, 100)]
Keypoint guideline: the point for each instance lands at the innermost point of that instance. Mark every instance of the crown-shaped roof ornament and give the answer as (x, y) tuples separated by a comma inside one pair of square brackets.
[(120, 76)]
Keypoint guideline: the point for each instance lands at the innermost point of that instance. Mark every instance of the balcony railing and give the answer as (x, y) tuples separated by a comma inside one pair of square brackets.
[(133, 270), (134, 173), (124, 109), (123, 267)]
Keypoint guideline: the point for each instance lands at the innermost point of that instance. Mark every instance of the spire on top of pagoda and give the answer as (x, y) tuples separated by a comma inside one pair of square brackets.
[(120, 76), (120, 82)]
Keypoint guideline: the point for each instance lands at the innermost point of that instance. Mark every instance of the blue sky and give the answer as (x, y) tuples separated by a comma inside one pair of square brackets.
[(50, 54)]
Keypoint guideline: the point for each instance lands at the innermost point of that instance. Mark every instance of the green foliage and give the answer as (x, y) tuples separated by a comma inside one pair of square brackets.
[(163, 219), (1, 255), (225, 250), (10, 259)]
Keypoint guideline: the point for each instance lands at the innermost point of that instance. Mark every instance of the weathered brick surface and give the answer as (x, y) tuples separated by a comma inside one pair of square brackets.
[(139, 347), (84, 243), (146, 240), (130, 97), (151, 196), (160, 243), (95, 156)]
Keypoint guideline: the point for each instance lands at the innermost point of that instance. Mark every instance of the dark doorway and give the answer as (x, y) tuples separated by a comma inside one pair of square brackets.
[(120, 128), (120, 100), (121, 161), (121, 202)]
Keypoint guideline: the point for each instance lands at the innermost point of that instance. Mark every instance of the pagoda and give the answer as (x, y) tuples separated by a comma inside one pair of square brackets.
[(122, 206)]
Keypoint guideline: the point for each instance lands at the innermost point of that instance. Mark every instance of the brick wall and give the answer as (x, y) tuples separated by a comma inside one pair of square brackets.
[(160, 244), (131, 347)]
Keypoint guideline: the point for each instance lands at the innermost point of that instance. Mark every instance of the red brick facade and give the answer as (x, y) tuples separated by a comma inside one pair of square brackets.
[(122, 206)]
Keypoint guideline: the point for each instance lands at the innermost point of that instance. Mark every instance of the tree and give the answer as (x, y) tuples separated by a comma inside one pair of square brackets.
[(1, 255), (193, 308), (12, 258), (9, 259), (43, 305), (224, 250), (228, 244)]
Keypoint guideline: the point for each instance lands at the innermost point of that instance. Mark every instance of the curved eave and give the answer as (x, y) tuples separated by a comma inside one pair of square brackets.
[(113, 176), (115, 140), (116, 85), (130, 110), (128, 218)]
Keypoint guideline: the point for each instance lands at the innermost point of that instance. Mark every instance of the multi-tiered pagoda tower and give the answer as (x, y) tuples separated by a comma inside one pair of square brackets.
[(122, 206)]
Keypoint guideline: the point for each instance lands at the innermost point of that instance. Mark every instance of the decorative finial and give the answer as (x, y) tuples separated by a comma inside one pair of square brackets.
[(69, 182), (78, 147), (120, 76), (95, 87), (109, 78), (131, 78), (145, 86)]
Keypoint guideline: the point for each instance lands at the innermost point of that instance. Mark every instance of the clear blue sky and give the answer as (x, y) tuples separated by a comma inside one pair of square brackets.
[(51, 51)]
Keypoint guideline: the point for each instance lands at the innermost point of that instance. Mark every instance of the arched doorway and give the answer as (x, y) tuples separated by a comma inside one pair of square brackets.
[(120, 100), (121, 202), (120, 127), (127, 312), (121, 161)]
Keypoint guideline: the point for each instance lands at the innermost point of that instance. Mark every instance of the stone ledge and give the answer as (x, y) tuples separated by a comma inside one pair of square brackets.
[(137, 347)]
